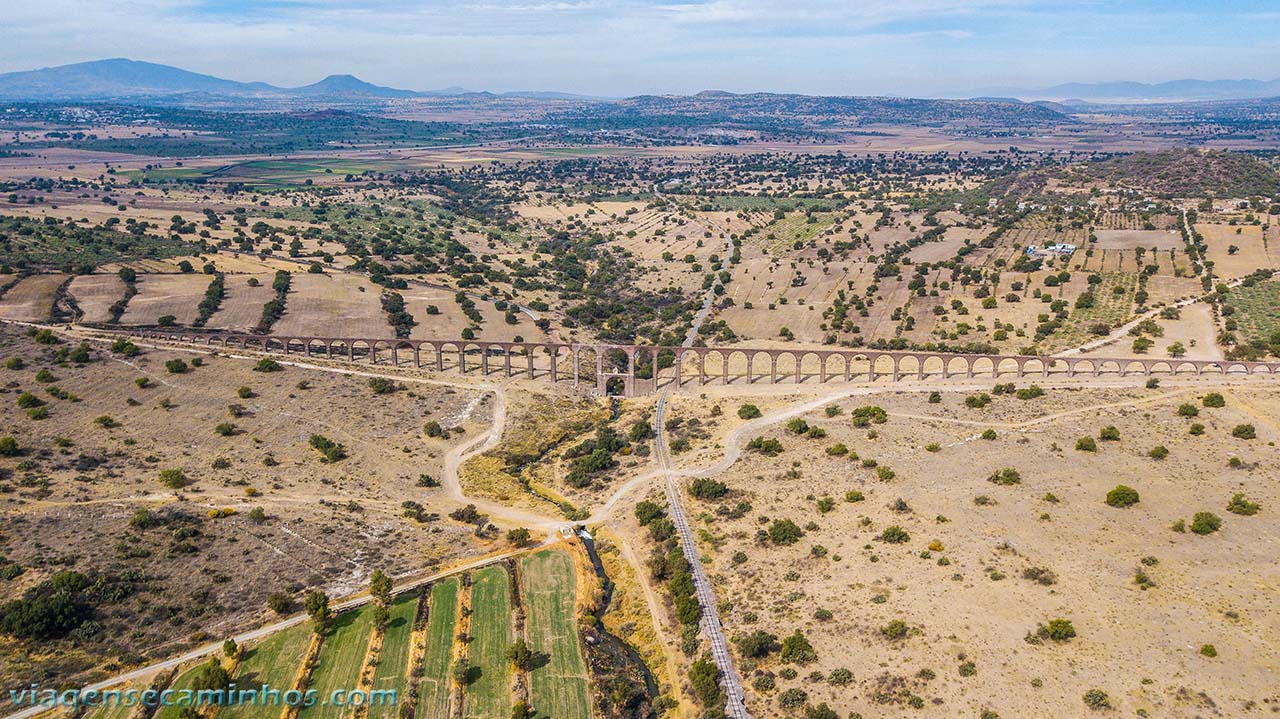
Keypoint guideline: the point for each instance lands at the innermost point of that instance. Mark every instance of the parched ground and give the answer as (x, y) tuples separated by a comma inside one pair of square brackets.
[(964, 580), (71, 495)]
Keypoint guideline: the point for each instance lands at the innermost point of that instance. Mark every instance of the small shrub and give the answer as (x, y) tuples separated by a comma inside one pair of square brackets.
[(1196, 429), (1188, 410), (749, 411), (1205, 523), (895, 535), (988, 434), (1086, 444), (1214, 399), (1059, 630), (26, 400), (1005, 477), (1244, 431), (226, 429), (176, 366), (1158, 452), (173, 478), (1208, 650), (1109, 434), (244, 393), (1122, 496), (1097, 699), (267, 365), (1240, 505), (896, 629)]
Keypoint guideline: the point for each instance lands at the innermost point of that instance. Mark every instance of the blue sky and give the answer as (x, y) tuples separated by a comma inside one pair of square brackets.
[(623, 47)]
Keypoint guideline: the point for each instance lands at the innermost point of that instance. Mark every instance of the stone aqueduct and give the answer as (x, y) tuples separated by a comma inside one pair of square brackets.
[(614, 368)]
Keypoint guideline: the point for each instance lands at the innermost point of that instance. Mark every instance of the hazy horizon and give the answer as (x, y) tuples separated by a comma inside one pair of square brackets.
[(630, 47)]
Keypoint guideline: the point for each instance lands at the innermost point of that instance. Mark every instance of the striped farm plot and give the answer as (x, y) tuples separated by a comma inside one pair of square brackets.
[(489, 696), (271, 664), (31, 300), (560, 688), (161, 295), (94, 295), (333, 305), (393, 661), (339, 663), (241, 307), (442, 620)]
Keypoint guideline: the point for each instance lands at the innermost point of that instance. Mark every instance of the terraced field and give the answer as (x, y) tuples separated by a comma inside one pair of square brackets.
[(489, 696), (272, 663), (393, 663), (559, 689), (433, 700), (341, 658)]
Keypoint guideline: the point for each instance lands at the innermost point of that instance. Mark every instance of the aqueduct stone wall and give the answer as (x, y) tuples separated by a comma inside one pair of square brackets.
[(640, 369)]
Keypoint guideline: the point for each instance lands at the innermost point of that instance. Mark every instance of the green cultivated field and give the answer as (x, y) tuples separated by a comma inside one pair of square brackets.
[(274, 661), (442, 618), (559, 689), (393, 662), (489, 697), (1258, 310), (183, 681), (339, 663)]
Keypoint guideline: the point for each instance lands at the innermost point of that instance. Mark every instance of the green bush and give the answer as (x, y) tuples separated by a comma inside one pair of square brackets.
[(769, 447), (797, 426), (1188, 410), (869, 415), (1158, 452), (1097, 699), (1109, 434), (331, 451), (895, 535), (1244, 431), (1208, 650), (9, 447), (1214, 399), (749, 411), (784, 532), (896, 629), (1205, 523), (26, 400), (176, 366), (796, 649), (173, 478), (1059, 630), (1086, 444), (1238, 505), (267, 365), (1007, 476), (1122, 496)]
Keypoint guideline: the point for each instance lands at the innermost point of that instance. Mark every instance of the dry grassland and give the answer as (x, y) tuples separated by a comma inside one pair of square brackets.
[(957, 581), (31, 300)]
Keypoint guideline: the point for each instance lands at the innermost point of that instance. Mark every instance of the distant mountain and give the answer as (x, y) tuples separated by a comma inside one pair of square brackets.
[(348, 86), (123, 79), (132, 79), (1172, 91)]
